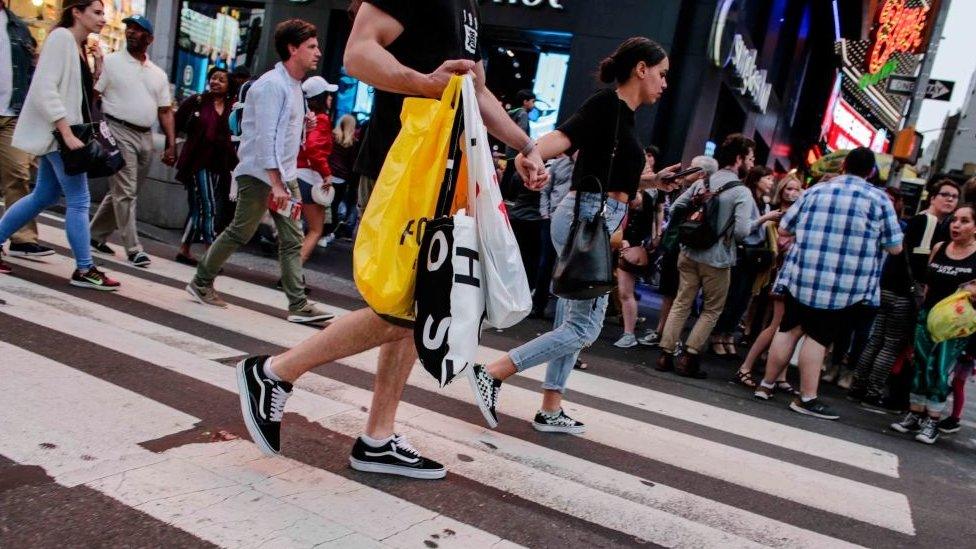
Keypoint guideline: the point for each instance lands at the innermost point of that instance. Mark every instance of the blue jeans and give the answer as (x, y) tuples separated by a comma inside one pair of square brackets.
[(578, 322), (51, 183)]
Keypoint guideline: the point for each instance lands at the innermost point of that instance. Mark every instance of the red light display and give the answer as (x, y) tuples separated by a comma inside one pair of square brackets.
[(897, 28)]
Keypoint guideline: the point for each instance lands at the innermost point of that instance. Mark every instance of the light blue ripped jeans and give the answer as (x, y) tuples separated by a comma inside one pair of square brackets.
[(578, 322)]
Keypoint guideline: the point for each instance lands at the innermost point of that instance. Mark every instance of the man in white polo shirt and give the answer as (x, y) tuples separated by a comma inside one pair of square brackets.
[(135, 92)]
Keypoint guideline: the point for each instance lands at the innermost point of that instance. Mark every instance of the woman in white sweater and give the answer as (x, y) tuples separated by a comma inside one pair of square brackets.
[(58, 98)]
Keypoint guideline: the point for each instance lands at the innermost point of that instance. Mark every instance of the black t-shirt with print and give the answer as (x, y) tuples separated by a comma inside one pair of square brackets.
[(434, 31), (590, 130)]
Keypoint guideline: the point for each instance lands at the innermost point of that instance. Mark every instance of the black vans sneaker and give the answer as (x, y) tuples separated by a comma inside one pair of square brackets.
[(557, 423), (911, 423), (929, 431), (262, 403), (396, 457), (813, 408), (949, 425), (486, 389)]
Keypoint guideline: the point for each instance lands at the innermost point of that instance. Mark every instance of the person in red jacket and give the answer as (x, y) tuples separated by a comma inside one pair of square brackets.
[(313, 162)]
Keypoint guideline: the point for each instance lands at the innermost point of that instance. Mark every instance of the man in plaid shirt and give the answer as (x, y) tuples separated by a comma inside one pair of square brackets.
[(830, 277)]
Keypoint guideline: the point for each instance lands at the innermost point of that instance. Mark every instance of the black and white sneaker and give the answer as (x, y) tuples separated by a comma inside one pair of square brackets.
[(557, 423), (813, 408), (262, 403), (101, 247), (139, 259), (486, 389), (396, 457), (929, 431), (949, 425), (29, 249), (911, 423)]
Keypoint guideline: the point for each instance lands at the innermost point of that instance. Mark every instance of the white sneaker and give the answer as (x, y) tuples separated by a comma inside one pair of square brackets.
[(323, 242), (626, 341), (651, 339)]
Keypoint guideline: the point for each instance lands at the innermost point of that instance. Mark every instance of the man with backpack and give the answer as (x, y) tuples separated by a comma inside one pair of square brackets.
[(720, 210)]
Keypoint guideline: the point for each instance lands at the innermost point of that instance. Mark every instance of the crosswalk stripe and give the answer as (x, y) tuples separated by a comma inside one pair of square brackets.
[(513, 467), (225, 492), (100, 313), (832, 494), (747, 426)]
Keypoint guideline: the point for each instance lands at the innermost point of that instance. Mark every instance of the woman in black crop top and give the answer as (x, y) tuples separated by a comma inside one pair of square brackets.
[(603, 133), (952, 264)]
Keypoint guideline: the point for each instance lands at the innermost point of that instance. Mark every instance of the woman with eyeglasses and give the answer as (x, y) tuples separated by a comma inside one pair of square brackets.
[(901, 280)]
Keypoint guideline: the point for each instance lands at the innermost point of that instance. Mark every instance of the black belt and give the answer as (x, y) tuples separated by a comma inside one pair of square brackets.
[(129, 125)]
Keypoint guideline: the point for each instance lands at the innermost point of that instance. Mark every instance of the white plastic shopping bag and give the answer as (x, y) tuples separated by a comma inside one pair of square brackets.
[(450, 297), (508, 299)]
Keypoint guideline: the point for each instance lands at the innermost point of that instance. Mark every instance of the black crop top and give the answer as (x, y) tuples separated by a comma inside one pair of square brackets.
[(590, 130)]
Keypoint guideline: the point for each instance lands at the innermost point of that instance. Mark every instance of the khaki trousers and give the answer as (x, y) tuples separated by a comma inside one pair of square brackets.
[(118, 209), (15, 177), (714, 283)]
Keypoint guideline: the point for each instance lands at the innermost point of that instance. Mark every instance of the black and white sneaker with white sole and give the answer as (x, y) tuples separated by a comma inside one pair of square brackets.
[(262, 403), (813, 408), (928, 431), (396, 457), (557, 423), (486, 389)]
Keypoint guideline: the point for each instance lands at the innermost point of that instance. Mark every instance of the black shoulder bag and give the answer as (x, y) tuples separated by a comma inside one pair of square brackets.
[(585, 266), (100, 157)]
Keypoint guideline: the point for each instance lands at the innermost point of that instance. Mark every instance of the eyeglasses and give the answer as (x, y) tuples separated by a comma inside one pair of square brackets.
[(948, 196)]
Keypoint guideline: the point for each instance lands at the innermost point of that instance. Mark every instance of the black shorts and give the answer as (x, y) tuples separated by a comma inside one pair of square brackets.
[(668, 285), (821, 325)]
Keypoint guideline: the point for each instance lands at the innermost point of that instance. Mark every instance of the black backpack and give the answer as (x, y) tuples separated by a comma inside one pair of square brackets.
[(700, 230)]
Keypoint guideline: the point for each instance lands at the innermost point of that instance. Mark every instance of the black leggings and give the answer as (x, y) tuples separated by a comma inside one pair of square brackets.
[(893, 329)]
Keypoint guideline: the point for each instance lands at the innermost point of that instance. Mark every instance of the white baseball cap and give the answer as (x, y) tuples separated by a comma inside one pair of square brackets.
[(317, 85)]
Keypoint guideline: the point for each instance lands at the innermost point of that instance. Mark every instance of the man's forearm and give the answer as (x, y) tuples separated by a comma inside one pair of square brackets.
[(498, 123), (168, 123), (370, 62), (275, 177)]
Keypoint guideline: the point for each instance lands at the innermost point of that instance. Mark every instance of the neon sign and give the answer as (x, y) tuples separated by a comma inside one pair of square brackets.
[(897, 29)]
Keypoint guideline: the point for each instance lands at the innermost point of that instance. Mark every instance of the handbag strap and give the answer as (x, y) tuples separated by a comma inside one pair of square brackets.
[(452, 171), (85, 101), (613, 156)]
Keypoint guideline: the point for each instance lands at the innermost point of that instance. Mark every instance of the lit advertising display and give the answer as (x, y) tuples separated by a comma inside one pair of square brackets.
[(846, 129)]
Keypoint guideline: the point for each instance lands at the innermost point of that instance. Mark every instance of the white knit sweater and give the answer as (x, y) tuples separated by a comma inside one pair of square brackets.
[(55, 93)]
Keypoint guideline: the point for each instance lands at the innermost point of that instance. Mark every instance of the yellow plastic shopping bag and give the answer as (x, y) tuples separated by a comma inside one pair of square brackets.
[(952, 318), (404, 199)]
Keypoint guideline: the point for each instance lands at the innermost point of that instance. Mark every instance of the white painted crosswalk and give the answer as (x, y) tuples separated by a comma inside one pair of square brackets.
[(221, 491)]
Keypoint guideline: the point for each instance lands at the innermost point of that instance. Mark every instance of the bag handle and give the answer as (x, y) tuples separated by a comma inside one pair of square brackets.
[(451, 99)]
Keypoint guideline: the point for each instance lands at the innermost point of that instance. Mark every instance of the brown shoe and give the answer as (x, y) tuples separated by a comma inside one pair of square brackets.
[(688, 366), (665, 362)]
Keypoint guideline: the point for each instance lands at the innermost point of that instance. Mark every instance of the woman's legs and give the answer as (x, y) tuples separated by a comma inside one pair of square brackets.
[(626, 282), (764, 338), (315, 218)]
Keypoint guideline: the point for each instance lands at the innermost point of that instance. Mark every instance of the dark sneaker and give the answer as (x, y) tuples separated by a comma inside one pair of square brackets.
[(186, 260), (665, 362), (557, 423), (205, 295), (911, 423), (101, 248), (893, 406), (396, 457), (262, 403), (4, 267), (311, 313), (29, 249), (94, 279), (764, 393), (873, 402), (813, 408), (651, 339), (486, 389), (139, 259), (689, 365), (857, 393), (949, 425), (928, 432)]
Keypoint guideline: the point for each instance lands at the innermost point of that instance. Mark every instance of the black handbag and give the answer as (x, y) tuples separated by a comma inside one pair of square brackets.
[(100, 157), (584, 269)]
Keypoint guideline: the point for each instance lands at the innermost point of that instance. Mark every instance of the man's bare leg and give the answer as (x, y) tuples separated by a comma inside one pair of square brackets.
[(348, 335), (811, 358), (395, 364)]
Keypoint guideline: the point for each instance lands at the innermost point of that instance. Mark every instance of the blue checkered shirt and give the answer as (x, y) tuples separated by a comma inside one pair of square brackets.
[(842, 228)]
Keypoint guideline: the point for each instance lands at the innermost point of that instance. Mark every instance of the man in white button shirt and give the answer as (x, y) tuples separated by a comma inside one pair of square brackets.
[(135, 92), (17, 57)]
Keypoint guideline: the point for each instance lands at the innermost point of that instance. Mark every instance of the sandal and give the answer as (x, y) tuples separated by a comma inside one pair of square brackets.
[(745, 379), (785, 387)]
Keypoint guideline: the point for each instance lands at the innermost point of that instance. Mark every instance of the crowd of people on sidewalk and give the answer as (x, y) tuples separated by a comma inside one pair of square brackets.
[(822, 273)]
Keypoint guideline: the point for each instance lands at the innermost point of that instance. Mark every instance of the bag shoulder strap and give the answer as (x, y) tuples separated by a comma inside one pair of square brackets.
[(613, 156)]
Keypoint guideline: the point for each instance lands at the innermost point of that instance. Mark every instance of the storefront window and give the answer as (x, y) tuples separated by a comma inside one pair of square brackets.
[(354, 97), (41, 16), (212, 35)]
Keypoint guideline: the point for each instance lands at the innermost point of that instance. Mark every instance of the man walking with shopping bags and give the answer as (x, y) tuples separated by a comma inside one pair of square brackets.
[(135, 92), (272, 133), (401, 53)]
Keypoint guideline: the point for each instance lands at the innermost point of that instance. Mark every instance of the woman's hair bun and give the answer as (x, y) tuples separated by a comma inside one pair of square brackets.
[(608, 70)]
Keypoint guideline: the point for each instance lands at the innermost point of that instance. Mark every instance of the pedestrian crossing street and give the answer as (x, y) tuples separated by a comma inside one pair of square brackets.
[(156, 427)]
